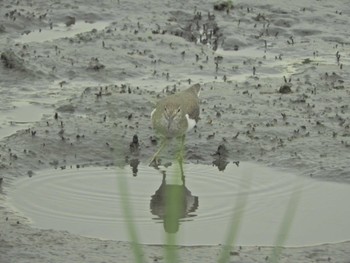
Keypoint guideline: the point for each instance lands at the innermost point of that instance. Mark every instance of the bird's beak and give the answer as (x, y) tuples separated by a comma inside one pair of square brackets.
[(170, 121)]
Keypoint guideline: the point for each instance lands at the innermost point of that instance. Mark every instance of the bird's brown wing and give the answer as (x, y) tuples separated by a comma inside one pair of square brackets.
[(192, 108)]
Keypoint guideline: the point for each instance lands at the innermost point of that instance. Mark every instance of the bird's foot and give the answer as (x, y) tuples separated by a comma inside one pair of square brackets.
[(155, 162)]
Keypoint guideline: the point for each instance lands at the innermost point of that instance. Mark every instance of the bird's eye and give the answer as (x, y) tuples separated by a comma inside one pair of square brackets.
[(178, 110)]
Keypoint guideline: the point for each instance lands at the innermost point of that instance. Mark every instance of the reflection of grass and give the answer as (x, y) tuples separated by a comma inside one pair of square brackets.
[(172, 215), (174, 201)]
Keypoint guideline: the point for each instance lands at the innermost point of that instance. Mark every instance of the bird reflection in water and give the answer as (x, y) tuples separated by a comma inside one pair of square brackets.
[(173, 202)]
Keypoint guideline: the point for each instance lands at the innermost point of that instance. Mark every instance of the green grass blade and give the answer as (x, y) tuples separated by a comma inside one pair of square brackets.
[(172, 216), (286, 223), (119, 159), (136, 247), (170, 249), (174, 207), (235, 223)]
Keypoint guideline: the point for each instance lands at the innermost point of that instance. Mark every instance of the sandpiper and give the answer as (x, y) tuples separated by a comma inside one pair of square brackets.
[(175, 115)]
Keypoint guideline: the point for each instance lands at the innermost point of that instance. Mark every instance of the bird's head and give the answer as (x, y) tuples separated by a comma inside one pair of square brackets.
[(172, 114)]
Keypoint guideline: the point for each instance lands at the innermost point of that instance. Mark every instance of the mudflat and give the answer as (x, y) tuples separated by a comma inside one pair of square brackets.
[(79, 80)]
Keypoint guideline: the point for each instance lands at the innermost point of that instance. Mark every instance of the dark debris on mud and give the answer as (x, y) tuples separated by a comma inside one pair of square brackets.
[(111, 125), (11, 61), (300, 123), (197, 28)]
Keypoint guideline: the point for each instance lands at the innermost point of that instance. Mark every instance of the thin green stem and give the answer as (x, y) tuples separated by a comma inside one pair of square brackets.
[(286, 223), (171, 220), (235, 223), (123, 190), (171, 250), (136, 247), (174, 206)]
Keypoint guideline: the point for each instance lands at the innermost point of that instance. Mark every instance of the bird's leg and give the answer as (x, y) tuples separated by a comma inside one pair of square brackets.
[(181, 170), (161, 147), (180, 155)]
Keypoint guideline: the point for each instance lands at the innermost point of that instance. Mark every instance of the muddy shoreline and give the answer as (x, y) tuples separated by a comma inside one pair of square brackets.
[(275, 90)]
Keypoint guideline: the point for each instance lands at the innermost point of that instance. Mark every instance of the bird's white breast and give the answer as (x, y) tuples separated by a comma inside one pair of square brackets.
[(191, 122)]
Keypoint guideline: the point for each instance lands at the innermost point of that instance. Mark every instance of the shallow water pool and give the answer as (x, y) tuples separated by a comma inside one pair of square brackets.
[(87, 202)]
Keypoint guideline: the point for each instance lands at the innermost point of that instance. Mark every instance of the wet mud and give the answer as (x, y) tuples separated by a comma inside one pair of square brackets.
[(275, 90)]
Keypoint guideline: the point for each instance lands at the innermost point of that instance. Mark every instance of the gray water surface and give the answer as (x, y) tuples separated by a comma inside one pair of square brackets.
[(87, 202)]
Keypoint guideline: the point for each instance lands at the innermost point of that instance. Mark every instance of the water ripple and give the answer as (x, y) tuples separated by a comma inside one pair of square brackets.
[(87, 202)]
